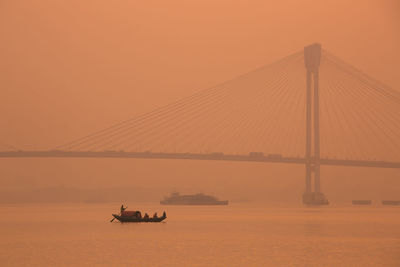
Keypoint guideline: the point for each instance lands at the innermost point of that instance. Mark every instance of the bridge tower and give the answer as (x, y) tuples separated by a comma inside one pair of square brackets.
[(312, 59)]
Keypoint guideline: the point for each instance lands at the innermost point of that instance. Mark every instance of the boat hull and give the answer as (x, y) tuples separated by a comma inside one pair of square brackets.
[(135, 219)]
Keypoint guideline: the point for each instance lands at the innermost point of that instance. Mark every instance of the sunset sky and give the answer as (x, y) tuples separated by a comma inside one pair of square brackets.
[(69, 68)]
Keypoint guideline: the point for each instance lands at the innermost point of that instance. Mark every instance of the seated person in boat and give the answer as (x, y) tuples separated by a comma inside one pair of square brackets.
[(146, 216), (155, 215)]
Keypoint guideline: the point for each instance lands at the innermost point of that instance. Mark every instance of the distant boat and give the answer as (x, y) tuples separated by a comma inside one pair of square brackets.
[(315, 199), (136, 216), (196, 199), (361, 202), (391, 202)]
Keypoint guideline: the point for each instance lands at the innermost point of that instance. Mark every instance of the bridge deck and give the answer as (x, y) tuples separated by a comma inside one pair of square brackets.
[(192, 156)]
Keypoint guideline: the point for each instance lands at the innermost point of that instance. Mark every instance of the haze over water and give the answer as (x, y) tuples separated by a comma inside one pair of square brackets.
[(235, 235)]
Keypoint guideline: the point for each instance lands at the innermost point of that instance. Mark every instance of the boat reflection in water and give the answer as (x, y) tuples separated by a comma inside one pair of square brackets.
[(196, 199)]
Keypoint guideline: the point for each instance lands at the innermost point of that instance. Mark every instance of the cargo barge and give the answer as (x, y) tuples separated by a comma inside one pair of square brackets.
[(196, 199)]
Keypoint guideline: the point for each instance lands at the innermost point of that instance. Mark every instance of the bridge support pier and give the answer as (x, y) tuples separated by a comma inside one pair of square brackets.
[(312, 58)]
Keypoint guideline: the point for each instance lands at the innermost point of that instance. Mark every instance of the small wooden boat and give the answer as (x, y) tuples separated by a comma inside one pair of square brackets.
[(135, 216)]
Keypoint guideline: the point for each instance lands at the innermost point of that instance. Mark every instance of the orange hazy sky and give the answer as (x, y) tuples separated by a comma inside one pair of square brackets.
[(71, 67)]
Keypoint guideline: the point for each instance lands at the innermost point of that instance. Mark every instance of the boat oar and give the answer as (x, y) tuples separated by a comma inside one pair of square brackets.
[(114, 218), (118, 214)]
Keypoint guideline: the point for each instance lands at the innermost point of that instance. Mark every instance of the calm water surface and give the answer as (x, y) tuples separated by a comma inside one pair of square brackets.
[(236, 235)]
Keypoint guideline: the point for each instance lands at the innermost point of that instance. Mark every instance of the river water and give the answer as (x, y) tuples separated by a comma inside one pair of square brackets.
[(234, 235)]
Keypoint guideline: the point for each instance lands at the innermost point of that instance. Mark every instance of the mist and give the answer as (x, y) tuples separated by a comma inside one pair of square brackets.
[(72, 68)]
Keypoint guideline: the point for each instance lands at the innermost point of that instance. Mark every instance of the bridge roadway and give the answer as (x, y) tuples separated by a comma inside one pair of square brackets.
[(192, 156)]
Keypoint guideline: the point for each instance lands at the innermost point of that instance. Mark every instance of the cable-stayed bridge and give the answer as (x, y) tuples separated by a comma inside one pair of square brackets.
[(309, 108)]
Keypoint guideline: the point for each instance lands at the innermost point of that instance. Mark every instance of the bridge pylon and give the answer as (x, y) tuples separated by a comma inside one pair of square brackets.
[(312, 59)]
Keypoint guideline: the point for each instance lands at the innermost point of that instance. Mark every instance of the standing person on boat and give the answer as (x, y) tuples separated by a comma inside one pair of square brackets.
[(122, 208)]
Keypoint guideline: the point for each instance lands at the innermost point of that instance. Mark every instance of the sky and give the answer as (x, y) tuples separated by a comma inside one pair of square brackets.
[(69, 68)]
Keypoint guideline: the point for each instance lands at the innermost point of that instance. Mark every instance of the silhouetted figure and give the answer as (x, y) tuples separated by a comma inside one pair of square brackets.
[(155, 215), (146, 216), (122, 208), (164, 214)]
